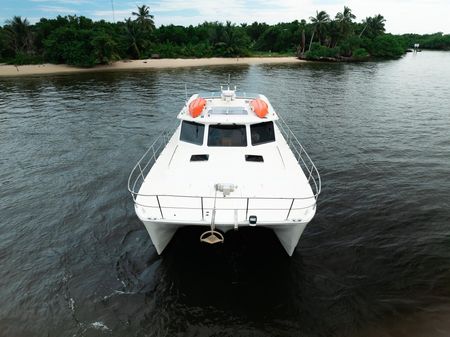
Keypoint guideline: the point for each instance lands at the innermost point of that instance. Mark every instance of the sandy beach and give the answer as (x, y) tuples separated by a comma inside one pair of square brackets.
[(41, 69)]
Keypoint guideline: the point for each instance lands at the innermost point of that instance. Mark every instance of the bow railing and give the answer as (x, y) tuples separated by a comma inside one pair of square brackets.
[(148, 159), (303, 158)]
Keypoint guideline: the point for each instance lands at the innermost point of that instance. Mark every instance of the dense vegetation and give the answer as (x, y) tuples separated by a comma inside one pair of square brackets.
[(82, 42)]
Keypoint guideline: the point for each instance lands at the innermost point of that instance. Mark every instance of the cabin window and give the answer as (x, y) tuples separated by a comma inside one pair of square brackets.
[(227, 135), (192, 132), (262, 133)]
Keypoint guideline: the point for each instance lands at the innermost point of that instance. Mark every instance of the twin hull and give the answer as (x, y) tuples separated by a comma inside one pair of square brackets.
[(162, 232)]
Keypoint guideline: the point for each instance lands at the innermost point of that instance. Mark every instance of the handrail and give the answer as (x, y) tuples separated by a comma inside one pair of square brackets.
[(298, 149), (158, 206), (140, 171)]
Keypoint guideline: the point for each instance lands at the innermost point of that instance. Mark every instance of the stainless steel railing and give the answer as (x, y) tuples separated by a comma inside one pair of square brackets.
[(204, 204), (148, 159), (303, 158)]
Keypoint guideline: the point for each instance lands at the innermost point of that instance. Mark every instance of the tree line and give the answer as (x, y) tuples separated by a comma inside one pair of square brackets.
[(80, 41)]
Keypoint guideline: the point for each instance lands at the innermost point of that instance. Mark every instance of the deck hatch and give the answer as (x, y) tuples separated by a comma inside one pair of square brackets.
[(225, 110), (239, 94), (199, 157), (254, 158)]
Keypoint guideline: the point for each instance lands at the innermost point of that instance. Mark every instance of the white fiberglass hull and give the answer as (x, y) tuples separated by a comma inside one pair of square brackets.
[(162, 232)]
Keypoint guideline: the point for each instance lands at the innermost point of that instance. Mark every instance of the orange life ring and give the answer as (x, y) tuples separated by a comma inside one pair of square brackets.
[(260, 108), (196, 107)]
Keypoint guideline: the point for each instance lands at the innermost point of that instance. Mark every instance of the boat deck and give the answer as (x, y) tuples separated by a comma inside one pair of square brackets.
[(179, 190)]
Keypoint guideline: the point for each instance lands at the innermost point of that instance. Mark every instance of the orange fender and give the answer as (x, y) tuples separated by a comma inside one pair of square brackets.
[(259, 107), (196, 107)]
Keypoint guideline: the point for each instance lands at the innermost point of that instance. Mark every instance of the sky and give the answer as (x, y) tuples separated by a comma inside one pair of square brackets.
[(402, 16)]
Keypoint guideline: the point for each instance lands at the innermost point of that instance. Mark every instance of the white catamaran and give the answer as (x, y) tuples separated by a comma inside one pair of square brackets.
[(231, 162)]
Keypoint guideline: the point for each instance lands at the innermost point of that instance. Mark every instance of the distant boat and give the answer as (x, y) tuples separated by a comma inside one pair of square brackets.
[(231, 162)]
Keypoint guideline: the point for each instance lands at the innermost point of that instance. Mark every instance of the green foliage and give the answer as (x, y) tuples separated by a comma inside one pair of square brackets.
[(360, 54), (344, 20), (144, 19), (3, 48), (271, 54), (318, 52), (232, 41), (255, 30), (372, 26), (282, 37), (437, 41), (384, 46), (104, 48), (82, 42), (173, 34), (349, 45), (71, 46), (320, 22), (79, 47), (136, 38), (22, 58), (168, 50), (18, 35)]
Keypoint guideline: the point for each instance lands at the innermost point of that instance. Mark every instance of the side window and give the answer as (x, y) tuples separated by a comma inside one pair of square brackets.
[(192, 132), (262, 133), (227, 135)]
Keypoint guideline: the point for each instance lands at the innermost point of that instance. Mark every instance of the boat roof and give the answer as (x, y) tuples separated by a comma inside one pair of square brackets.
[(227, 107)]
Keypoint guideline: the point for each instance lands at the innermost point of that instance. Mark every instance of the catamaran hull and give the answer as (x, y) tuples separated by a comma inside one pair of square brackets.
[(162, 232)]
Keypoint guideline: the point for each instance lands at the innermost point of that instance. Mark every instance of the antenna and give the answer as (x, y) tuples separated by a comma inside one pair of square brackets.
[(113, 12), (227, 84)]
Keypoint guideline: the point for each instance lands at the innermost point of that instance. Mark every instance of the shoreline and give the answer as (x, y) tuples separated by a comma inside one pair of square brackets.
[(47, 68)]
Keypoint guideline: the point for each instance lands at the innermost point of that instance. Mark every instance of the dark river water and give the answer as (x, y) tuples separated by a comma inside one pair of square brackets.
[(76, 261)]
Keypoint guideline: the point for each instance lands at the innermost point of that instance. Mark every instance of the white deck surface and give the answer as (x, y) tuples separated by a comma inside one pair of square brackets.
[(279, 176)]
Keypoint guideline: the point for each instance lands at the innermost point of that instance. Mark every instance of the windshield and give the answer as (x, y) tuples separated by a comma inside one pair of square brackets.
[(227, 135), (192, 132), (262, 133)]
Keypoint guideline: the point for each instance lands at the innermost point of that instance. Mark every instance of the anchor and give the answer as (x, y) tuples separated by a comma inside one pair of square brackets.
[(212, 236)]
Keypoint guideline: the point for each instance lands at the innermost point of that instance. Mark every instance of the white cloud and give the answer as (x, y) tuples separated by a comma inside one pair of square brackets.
[(407, 16), (417, 16), (57, 9), (124, 13), (67, 2)]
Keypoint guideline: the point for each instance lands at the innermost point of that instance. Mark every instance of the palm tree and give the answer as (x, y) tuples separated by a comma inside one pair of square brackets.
[(144, 18), (319, 21), (215, 31), (19, 34), (344, 20), (374, 26), (301, 47), (333, 33), (234, 39), (133, 34)]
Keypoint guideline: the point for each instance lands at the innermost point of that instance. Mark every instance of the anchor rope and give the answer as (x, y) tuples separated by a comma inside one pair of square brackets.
[(214, 236), (213, 217)]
